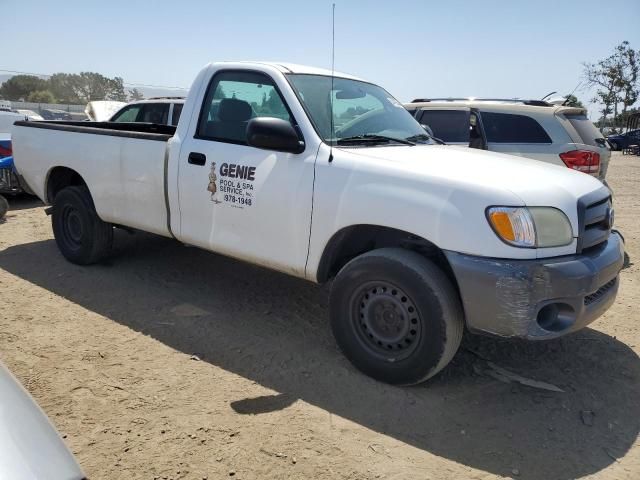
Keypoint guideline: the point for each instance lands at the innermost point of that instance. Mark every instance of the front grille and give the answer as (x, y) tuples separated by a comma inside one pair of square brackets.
[(594, 216), (595, 296)]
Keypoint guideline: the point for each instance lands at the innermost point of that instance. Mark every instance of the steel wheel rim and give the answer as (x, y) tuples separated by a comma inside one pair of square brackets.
[(386, 320), (72, 227)]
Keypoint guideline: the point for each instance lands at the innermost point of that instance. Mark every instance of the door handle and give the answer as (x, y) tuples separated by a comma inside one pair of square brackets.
[(196, 158)]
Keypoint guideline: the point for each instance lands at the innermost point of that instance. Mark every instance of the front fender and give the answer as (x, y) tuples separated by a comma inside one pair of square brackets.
[(444, 212)]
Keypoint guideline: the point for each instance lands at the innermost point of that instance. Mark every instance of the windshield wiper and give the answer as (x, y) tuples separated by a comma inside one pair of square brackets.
[(372, 138), (420, 136)]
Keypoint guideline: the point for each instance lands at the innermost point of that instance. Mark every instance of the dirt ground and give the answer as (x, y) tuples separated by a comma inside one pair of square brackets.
[(171, 362)]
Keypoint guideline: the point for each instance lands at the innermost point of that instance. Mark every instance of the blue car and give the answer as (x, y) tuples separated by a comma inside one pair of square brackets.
[(623, 140), (6, 166)]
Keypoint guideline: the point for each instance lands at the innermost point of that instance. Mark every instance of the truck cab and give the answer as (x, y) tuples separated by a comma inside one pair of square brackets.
[(327, 177)]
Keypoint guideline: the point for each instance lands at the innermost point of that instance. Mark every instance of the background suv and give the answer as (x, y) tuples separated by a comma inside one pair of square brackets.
[(159, 110), (527, 128)]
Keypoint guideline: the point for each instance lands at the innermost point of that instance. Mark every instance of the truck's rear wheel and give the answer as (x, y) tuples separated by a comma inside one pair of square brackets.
[(396, 316), (80, 234)]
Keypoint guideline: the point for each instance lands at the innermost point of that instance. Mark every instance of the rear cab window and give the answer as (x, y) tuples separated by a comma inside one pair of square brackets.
[(512, 128), (154, 113), (144, 112), (127, 114)]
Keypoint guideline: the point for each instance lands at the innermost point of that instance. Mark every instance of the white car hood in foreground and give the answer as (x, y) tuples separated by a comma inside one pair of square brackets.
[(30, 448), (535, 183)]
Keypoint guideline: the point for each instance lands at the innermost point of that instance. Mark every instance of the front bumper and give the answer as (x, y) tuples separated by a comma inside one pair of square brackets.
[(538, 299)]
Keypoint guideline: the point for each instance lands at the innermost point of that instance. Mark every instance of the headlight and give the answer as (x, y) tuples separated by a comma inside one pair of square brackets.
[(531, 227)]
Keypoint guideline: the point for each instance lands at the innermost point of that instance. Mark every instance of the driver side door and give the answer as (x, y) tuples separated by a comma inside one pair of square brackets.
[(236, 199)]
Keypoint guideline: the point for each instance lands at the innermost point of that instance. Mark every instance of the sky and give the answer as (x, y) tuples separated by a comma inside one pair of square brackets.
[(481, 48)]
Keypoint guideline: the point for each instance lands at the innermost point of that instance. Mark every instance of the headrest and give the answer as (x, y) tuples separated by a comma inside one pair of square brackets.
[(234, 110)]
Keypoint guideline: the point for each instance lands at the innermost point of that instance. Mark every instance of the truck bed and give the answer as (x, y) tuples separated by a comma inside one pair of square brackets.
[(123, 165)]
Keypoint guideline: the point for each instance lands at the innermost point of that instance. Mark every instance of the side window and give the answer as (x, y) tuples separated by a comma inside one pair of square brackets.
[(177, 110), (154, 113), (508, 128), (448, 125), (234, 98), (127, 114)]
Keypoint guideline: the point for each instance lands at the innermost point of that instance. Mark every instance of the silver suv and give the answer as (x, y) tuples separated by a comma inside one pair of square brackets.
[(528, 128)]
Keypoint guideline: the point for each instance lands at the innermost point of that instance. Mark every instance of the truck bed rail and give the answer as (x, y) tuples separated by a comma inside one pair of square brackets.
[(147, 131)]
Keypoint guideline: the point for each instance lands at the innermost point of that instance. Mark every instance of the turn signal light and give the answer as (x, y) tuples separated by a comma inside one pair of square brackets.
[(502, 223), (514, 225), (582, 160)]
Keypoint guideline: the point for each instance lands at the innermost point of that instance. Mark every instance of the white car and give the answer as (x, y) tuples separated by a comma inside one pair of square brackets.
[(30, 447), (329, 177), (30, 114), (158, 110), (534, 129)]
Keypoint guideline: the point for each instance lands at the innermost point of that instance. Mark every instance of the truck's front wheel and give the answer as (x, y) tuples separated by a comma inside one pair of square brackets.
[(82, 237), (396, 316)]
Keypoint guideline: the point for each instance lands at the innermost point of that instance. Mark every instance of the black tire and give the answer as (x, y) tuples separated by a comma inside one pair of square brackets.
[(396, 316), (80, 234), (4, 207), (614, 146)]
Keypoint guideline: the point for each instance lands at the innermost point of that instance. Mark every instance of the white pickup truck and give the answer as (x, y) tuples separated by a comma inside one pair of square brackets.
[(330, 178)]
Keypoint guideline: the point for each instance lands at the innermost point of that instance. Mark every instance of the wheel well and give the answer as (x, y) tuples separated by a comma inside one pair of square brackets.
[(355, 240), (59, 178)]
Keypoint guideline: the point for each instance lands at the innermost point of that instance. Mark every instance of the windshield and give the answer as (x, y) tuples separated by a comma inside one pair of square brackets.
[(360, 110)]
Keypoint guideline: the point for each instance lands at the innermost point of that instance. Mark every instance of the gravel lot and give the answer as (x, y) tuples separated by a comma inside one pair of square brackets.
[(171, 362)]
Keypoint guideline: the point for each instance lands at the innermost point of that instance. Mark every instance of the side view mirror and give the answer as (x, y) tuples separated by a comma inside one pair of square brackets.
[(271, 133)]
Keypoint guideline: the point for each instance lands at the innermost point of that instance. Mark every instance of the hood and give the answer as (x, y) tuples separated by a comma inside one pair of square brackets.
[(534, 182), (30, 448)]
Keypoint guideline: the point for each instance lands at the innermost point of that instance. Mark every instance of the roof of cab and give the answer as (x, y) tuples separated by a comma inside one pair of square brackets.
[(296, 68)]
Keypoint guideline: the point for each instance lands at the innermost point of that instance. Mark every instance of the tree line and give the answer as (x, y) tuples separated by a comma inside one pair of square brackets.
[(616, 80), (70, 88)]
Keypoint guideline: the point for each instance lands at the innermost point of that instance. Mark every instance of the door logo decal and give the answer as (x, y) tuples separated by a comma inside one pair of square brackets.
[(236, 186), (213, 188)]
